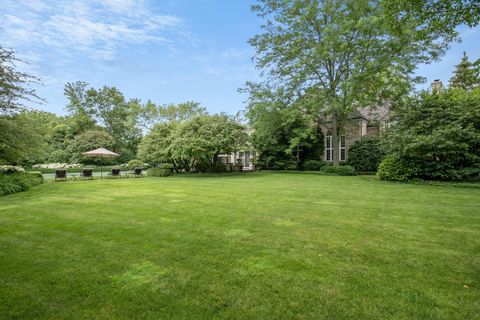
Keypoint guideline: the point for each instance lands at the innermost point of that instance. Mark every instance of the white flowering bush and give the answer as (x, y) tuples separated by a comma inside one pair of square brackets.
[(11, 169), (57, 166)]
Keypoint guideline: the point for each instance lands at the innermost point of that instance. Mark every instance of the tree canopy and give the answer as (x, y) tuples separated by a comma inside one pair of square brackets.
[(15, 85), (466, 74)]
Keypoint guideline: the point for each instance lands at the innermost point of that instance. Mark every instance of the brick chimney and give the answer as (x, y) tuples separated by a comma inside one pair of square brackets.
[(436, 85)]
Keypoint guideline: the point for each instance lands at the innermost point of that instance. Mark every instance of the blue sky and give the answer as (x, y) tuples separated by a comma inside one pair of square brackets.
[(166, 51)]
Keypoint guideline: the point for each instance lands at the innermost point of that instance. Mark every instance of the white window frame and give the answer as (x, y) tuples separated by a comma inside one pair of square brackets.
[(342, 143), (329, 148), (246, 159)]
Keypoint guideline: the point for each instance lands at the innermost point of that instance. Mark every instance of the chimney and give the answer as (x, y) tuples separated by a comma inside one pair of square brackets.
[(436, 85)]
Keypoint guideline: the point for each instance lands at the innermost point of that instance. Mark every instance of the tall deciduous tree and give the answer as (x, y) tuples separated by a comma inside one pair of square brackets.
[(15, 86), (465, 76), (205, 137), (151, 113), (339, 55), (107, 107)]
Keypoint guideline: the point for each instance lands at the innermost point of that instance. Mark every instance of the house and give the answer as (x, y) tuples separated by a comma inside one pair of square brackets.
[(245, 157), (362, 123)]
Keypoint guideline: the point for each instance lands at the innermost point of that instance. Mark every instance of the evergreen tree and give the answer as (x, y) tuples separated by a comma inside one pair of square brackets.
[(466, 76)]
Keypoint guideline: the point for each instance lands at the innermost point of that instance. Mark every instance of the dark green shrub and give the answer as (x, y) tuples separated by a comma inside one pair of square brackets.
[(313, 165), (17, 182), (366, 154), (396, 169), (159, 172), (200, 166), (436, 136), (135, 163), (339, 170)]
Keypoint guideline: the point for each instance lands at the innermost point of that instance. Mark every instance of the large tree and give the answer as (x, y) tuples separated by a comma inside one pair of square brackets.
[(339, 55), (149, 114), (15, 85), (106, 107), (282, 135), (436, 136), (465, 75)]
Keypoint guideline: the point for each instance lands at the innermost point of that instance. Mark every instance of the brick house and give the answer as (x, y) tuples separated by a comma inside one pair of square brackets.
[(363, 123)]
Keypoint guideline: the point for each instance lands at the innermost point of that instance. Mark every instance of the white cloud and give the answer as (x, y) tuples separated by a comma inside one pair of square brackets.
[(96, 28)]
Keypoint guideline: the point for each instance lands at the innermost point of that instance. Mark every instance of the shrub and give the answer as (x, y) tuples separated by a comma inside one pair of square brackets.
[(366, 154), (159, 172), (135, 163), (339, 170), (17, 182), (396, 169), (313, 165), (166, 166)]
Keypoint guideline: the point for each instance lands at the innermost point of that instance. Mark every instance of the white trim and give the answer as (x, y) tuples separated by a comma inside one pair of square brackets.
[(329, 148)]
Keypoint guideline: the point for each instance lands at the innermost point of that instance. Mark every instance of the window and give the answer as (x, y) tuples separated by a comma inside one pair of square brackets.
[(246, 159), (341, 148), (329, 148)]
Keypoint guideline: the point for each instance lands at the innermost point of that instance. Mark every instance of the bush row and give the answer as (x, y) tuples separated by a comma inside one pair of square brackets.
[(18, 182)]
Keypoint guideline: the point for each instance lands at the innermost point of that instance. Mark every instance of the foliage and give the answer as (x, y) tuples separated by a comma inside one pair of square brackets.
[(150, 113), (394, 168), (204, 138), (22, 140), (330, 57), (339, 170), (313, 165), (15, 86), (108, 107), (59, 156), (159, 172), (18, 182), (466, 76), (170, 166), (438, 134), (135, 163), (157, 145), (280, 133), (87, 141), (433, 20), (366, 154)]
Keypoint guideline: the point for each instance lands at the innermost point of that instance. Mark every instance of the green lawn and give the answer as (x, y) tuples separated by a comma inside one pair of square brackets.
[(250, 246)]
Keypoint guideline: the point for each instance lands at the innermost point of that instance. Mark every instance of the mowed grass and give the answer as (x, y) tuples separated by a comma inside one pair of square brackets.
[(253, 246)]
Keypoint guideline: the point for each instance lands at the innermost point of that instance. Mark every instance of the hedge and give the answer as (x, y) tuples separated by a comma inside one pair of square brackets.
[(339, 170), (18, 182), (159, 172)]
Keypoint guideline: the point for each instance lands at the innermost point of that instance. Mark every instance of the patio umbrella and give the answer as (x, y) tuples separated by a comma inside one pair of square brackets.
[(102, 153)]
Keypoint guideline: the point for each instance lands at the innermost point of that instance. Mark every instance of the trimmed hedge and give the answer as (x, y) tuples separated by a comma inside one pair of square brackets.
[(159, 172), (18, 182), (339, 170), (394, 168), (135, 163), (313, 165)]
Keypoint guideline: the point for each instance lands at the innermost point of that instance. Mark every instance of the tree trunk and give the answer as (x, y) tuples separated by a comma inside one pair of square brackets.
[(335, 140)]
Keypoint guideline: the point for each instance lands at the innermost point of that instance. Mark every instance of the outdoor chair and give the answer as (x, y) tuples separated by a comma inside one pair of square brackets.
[(115, 172), (87, 173), (137, 172), (60, 174)]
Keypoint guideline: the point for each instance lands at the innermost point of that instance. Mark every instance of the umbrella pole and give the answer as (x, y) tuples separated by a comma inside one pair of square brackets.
[(101, 168)]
